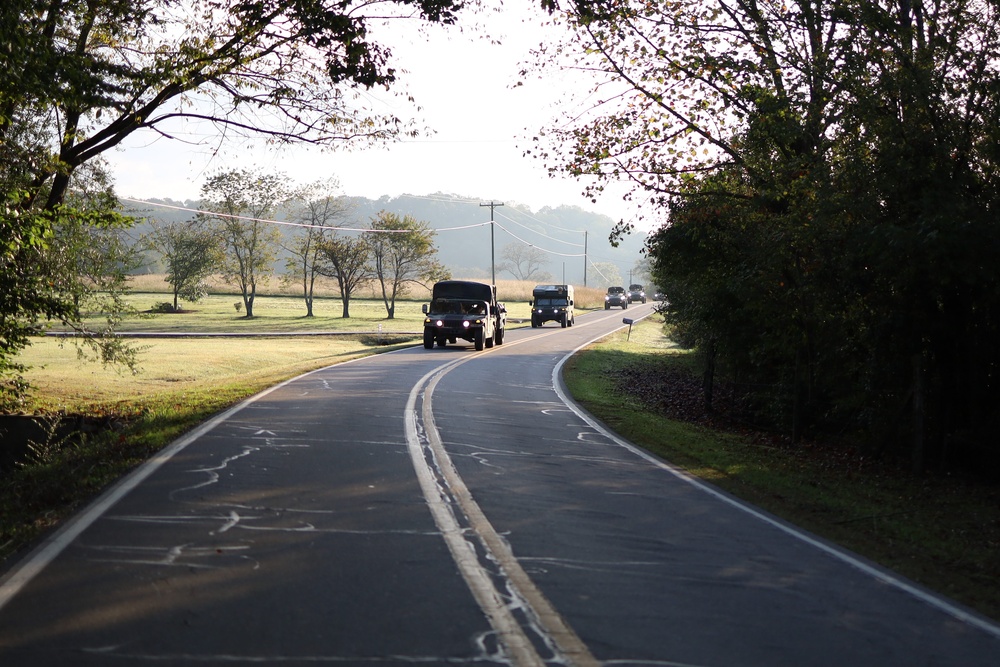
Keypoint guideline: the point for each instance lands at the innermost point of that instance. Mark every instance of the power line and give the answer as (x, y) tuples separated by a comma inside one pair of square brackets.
[(291, 224), (532, 245), (551, 238)]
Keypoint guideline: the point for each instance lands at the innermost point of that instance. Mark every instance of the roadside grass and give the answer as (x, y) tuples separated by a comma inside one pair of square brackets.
[(942, 531)]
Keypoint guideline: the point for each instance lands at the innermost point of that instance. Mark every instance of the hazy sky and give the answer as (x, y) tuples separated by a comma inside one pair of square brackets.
[(465, 86)]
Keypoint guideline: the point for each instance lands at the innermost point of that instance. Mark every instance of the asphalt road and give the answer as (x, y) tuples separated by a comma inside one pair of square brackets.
[(448, 507)]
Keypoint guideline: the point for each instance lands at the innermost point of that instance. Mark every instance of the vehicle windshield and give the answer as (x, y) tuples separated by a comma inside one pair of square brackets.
[(551, 302), (458, 307)]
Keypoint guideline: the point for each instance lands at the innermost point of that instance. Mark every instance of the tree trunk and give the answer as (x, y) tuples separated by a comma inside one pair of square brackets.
[(797, 402), (708, 379), (919, 446)]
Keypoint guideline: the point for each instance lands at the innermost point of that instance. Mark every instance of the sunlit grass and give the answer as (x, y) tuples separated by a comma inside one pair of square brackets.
[(180, 365)]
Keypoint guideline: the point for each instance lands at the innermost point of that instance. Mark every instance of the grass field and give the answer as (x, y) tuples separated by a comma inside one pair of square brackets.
[(178, 366)]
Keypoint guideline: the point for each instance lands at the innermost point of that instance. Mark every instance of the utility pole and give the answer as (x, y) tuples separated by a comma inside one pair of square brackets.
[(585, 258), (493, 256)]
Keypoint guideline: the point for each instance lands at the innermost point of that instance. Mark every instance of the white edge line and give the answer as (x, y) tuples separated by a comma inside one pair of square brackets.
[(880, 574), (28, 567)]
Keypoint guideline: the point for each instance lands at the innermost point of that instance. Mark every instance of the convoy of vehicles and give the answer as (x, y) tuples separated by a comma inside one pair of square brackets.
[(616, 297), (552, 303), (466, 310)]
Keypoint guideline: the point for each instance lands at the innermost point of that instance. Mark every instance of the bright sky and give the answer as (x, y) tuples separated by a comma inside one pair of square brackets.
[(465, 86)]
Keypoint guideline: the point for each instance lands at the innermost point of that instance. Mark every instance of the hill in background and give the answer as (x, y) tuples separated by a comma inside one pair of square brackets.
[(464, 234)]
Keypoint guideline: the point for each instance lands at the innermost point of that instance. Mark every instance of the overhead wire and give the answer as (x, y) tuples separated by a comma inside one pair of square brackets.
[(302, 225), (551, 238), (287, 223), (532, 245)]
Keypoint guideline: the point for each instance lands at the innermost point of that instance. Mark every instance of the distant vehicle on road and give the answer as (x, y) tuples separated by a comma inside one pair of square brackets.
[(617, 297), (466, 310), (552, 303), (636, 293)]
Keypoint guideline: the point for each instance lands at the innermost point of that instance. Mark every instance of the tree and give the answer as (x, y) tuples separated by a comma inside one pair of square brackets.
[(192, 252), (317, 209), (607, 274), (77, 77), (63, 266), (241, 201), (347, 260), (524, 262), (85, 74), (829, 167), (402, 251)]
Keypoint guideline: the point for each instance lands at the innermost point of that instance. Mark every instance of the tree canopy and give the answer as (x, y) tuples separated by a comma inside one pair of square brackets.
[(524, 262), (82, 75), (242, 202), (825, 173), (79, 76), (402, 252)]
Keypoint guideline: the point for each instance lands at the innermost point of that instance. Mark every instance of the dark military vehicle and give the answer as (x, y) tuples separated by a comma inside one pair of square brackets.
[(636, 293), (552, 303), (466, 310), (617, 297)]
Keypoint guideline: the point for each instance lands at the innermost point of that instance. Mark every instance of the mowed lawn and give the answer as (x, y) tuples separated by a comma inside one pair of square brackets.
[(62, 381)]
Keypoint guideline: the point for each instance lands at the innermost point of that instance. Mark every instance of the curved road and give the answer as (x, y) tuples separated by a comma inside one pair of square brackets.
[(448, 507)]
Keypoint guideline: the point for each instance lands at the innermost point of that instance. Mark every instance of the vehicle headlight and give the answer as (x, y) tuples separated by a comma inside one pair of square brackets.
[(607, 298), (465, 323), (440, 323)]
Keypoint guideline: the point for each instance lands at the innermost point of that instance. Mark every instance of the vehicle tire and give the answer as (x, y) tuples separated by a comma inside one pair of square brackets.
[(480, 340), (428, 339), (607, 307), (534, 323), (564, 321), (491, 340), (442, 341), (500, 335)]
